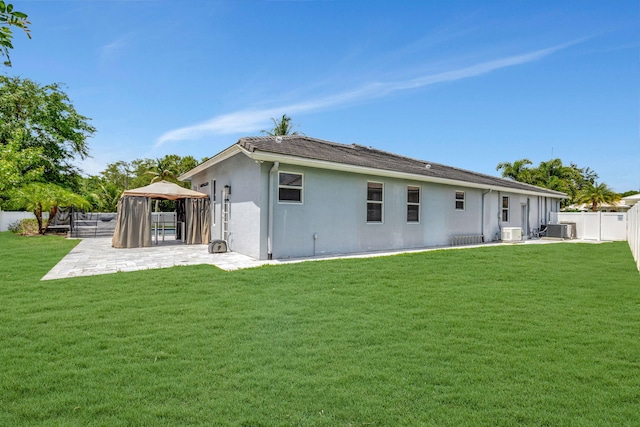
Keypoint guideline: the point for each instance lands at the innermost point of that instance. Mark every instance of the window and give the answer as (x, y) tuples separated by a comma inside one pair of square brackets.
[(289, 187), (505, 209), (374, 201), (459, 200), (413, 204)]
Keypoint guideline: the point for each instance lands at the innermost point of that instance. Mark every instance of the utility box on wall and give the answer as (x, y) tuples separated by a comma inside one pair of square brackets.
[(217, 247)]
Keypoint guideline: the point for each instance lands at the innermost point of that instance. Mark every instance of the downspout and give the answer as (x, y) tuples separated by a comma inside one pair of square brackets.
[(274, 169), (528, 217), (499, 215), (482, 214)]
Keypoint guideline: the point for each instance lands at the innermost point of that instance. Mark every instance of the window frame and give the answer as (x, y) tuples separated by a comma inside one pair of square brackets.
[(291, 187), (505, 210), (376, 202), (411, 204), (460, 200)]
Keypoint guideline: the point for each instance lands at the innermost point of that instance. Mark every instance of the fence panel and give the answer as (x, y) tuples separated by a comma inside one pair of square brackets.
[(592, 226), (8, 217), (609, 226), (613, 226), (633, 232)]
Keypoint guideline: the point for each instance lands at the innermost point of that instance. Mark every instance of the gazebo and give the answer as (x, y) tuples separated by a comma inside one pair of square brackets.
[(133, 222)]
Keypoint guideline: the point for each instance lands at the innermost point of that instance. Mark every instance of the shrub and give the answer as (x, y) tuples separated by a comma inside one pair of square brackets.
[(25, 227)]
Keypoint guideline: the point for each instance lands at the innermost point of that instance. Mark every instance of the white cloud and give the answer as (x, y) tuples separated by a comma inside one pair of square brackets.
[(111, 50), (252, 119)]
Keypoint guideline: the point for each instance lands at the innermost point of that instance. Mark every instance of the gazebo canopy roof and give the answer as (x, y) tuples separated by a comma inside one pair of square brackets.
[(165, 190)]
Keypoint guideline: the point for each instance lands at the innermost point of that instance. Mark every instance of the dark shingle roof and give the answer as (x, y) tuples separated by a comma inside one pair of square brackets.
[(358, 155)]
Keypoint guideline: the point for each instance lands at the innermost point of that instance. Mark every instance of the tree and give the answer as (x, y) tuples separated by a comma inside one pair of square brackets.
[(164, 169), (169, 168), (556, 176), (39, 197), (118, 174), (42, 117), (629, 193), (551, 174), (101, 194), (281, 127), (17, 166), (596, 195), (517, 171), (10, 18)]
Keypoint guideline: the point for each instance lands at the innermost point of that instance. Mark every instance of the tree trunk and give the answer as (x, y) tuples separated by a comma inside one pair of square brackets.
[(52, 214), (38, 214)]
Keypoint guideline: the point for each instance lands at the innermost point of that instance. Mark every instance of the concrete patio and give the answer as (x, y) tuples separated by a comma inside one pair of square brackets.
[(96, 256)]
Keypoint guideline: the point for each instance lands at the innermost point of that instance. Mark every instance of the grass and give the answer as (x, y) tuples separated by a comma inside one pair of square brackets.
[(516, 335)]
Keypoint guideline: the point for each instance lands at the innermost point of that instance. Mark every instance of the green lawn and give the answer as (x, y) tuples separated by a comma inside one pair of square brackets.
[(504, 335)]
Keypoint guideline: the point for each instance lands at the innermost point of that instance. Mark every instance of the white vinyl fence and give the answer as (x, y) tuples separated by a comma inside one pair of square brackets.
[(633, 232), (8, 218), (607, 226)]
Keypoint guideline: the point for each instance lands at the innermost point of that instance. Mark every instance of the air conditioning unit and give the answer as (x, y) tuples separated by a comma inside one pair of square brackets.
[(511, 234), (562, 231), (572, 229)]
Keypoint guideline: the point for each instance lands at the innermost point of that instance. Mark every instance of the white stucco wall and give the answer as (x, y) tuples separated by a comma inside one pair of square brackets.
[(334, 210), (244, 176), (332, 217)]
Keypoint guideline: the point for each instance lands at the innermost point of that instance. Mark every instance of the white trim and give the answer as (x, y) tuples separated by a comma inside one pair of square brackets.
[(224, 155), (508, 208), (380, 202), (463, 200), (419, 204), (301, 188), (261, 156), (323, 164)]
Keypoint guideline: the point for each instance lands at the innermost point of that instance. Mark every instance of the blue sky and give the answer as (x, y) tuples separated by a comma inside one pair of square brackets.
[(466, 83)]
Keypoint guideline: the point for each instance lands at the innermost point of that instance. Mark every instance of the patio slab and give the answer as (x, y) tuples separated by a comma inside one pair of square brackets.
[(96, 256)]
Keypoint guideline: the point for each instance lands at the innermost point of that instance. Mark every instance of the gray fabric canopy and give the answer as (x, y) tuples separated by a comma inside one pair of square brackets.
[(133, 222)]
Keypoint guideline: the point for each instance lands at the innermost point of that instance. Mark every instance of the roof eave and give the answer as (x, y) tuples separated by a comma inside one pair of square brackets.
[(343, 167), (223, 155)]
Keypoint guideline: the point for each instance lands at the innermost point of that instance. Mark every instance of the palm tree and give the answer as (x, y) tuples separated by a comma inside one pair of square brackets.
[(597, 194), (556, 176), (39, 197), (518, 170), (165, 169), (281, 127)]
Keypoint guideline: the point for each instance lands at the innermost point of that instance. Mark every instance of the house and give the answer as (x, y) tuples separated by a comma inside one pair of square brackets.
[(296, 196), (631, 200), (603, 207)]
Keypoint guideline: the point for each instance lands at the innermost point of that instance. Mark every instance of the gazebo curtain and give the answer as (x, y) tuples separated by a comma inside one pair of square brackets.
[(133, 223), (198, 221)]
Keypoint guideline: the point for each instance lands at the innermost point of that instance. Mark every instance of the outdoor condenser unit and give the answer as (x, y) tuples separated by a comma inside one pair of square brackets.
[(511, 234), (561, 231), (217, 247), (571, 229)]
